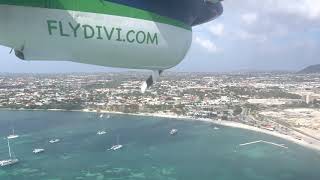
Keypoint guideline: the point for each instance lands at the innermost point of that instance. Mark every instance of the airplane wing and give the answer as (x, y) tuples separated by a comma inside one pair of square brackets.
[(190, 12), (210, 11)]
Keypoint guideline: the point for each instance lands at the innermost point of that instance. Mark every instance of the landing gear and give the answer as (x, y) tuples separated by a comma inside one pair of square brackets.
[(151, 80)]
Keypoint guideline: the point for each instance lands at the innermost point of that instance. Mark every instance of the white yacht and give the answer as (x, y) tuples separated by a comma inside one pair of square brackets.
[(101, 132), (37, 151), (117, 146), (173, 132), (13, 135), (10, 161), (101, 116), (216, 128), (52, 141)]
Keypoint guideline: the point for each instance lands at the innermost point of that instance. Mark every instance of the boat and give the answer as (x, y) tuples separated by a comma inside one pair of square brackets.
[(101, 116), (173, 132), (37, 151), (13, 135), (8, 162), (11, 161), (216, 128), (52, 141), (117, 146), (101, 132), (108, 116)]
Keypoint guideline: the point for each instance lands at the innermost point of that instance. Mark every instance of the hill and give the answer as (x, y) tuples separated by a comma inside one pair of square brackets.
[(310, 69)]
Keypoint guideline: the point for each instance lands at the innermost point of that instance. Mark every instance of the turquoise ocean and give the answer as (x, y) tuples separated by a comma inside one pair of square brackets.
[(198, 152)]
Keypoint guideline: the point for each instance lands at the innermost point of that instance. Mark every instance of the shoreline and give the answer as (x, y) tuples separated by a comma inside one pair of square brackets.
[(224, 123)]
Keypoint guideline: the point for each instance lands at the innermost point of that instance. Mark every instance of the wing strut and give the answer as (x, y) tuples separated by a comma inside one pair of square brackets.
[(151, 80)]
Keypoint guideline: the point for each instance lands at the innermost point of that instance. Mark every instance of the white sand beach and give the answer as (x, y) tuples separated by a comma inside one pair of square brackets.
[(312, 144)]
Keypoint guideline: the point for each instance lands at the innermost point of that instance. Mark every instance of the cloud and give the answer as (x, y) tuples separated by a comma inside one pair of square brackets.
[(249, 18), (207, 44), (268, 34), (309, 9), (217, 29), (244, 35), (259, 21)]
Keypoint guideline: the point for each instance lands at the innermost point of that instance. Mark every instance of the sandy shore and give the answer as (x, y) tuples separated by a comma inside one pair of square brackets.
[(315, 145)]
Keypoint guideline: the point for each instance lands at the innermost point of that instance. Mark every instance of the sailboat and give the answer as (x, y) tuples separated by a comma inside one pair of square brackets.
[(117, 146), (10, 161), (13, 135)]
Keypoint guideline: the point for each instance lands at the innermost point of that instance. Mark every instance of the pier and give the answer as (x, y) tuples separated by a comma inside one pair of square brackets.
[(265, 142)]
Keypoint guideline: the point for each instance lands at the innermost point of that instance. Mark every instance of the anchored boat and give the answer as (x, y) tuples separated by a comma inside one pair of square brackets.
[(11, 161)]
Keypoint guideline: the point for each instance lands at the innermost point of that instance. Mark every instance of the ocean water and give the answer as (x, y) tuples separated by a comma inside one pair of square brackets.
[(197, 152)]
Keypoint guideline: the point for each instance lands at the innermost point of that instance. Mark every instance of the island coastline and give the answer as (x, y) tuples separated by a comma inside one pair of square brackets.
[(224, 123)]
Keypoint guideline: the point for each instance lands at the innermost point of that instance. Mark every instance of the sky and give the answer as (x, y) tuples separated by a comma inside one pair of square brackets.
[(251, 35)]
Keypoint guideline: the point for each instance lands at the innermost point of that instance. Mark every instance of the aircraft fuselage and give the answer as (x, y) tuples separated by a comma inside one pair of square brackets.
[(106, 33)]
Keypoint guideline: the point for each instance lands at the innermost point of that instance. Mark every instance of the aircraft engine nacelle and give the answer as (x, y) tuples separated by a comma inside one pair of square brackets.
[(97, 32)]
